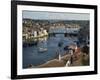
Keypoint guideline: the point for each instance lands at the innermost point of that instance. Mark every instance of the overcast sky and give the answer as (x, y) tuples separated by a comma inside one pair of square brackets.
[(55, 15)]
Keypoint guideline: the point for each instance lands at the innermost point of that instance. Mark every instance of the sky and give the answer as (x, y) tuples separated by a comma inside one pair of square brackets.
[(43, 15)]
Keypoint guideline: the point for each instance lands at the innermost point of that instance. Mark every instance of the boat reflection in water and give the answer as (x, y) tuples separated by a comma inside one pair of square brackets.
[(42, 41), (42, 44)]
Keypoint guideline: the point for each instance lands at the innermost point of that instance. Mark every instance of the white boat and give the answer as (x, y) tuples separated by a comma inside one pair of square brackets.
[(42, 49)]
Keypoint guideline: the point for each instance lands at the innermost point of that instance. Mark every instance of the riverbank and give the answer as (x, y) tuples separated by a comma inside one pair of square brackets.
[(56, 62), (81, 60), (64, 59)]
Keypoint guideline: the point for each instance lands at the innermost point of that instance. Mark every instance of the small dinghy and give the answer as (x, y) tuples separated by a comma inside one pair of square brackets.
[(42, 50)]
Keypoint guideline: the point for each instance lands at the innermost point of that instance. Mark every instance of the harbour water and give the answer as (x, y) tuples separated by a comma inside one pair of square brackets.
[(31, 54)]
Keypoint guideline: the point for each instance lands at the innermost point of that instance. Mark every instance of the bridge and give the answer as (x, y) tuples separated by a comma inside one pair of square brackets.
[(65, 31)]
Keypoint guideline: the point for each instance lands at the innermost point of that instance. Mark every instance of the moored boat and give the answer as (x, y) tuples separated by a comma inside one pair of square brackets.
[(42, 49)]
